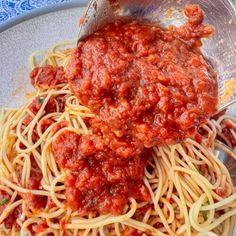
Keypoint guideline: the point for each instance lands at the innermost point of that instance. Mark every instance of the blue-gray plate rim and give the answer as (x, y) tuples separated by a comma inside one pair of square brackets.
[(41, 11)]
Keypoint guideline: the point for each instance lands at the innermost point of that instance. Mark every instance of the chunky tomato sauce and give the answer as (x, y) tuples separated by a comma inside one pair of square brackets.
[(146, 83), (99, 180), (47, 77), (34, 203), (147, 86), (11, 219)]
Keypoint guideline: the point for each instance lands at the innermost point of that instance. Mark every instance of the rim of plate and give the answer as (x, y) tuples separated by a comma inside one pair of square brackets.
[(41, 11)]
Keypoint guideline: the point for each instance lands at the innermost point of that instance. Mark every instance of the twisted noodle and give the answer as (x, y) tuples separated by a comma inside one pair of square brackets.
[(183, 179)]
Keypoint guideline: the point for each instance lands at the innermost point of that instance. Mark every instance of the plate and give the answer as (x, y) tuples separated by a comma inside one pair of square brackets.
[(22, 35)]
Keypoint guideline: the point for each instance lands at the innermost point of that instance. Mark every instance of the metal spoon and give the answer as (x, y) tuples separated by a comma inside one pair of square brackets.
[(219, 50)]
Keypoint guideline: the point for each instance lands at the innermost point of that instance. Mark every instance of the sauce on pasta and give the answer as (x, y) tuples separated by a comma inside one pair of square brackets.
[(101, 160), (146, 86)]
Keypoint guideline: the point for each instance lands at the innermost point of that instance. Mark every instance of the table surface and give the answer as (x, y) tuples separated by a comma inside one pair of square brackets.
[(12, 8)]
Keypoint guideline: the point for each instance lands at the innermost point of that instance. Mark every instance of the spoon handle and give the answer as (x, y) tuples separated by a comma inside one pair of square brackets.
[(220, 49), (97, 14), (225, 106)]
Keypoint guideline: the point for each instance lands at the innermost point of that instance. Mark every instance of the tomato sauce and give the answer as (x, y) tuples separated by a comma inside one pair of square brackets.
[(98, 180), (12, 217), (47, 77), (54, 104), (40, 227), (144, 82), (147, 86), (10, 220), (33, 203)]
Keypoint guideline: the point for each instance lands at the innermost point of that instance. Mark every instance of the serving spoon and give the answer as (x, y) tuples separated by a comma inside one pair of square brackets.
[(219, 51)]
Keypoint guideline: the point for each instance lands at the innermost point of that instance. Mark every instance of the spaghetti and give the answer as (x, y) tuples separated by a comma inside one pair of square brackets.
[(191, 190), (66, 169)]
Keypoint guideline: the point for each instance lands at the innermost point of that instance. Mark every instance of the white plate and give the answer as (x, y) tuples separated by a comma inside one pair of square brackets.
[(19, 41)]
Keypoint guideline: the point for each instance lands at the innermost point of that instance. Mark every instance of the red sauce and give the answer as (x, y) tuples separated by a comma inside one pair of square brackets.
[(34, 203), (138, 233), (40, 227), (45, 123), (221, 191), (47, 77), (128, 231), (11, 219), (193, 30), (54, 104), (140, 212), (81, 20), (50, 204), (145, 82), (63, 223), (98, 180), (146, 86), (198, 138), (59, 125), (158, 225)]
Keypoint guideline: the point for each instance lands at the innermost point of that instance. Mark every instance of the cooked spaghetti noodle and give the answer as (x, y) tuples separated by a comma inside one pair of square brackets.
[(191, 190)]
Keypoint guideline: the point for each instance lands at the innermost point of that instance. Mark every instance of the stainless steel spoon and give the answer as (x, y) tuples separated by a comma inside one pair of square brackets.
[(220, 50)]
